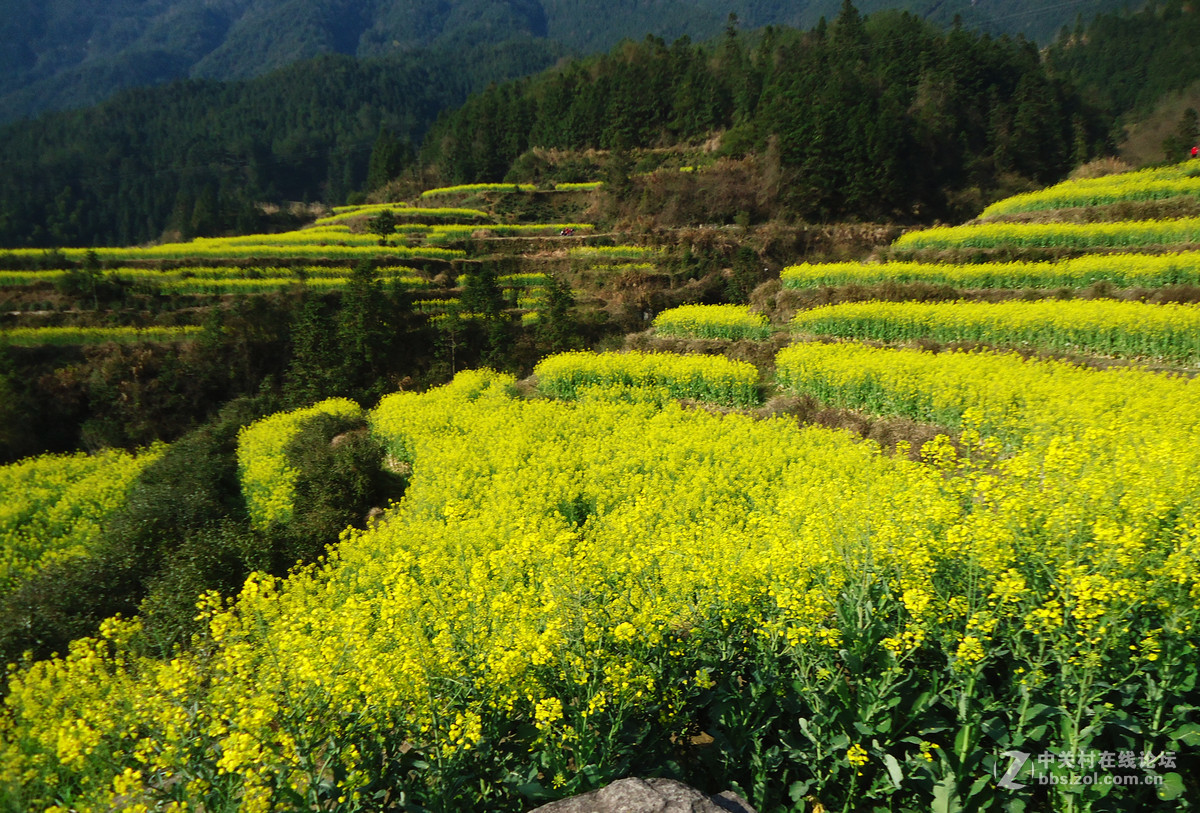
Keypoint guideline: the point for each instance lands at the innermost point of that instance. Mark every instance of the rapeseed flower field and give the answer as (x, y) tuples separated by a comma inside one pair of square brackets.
[(634, 567)]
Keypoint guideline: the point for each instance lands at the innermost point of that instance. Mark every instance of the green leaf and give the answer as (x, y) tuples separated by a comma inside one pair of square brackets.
[(1188, 734), (798, 790), (893, 769), (533, 791), (980, 785), (1171, 788), (1039, 712), (1189, 681), (994, 727), (962, 740), (945, 797)]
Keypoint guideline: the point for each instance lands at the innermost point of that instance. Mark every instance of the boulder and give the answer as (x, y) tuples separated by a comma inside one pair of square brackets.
[(649, 796)]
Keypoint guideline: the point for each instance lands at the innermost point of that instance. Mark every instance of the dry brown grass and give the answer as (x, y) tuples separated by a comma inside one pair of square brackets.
[(788, 301), (1143, 142), (887, 431), (1003, 254), (1099, 168), (759, 353)]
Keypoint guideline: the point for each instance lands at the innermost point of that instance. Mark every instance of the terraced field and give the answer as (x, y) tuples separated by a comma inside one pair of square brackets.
[(641, 563), (427, 251)]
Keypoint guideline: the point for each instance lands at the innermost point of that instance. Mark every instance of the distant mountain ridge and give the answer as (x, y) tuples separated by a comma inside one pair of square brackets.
[(74, 53)]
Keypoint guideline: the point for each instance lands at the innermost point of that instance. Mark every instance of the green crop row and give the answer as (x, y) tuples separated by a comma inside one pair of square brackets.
[(712, 322), (66, 336), (1123, 234), (478, 187), (1122, 270), (1132, 329), (713, 379)]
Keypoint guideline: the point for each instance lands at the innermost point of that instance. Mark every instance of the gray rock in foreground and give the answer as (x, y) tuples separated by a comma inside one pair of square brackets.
[(649, 796)]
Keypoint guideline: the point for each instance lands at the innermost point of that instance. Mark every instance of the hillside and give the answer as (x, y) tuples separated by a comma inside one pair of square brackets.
[(640, 421), (876, 117), (69, 54), (923, 504), (1128, 62), (198, 157), (826, 130), (883, 116)]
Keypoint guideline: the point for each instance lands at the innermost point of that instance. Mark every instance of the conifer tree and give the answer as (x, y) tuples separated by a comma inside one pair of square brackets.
[(363, 329), (556, 326), (316, 370), (389, 156), (483, 295)]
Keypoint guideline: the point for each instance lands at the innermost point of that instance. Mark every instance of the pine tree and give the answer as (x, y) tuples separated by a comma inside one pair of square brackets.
[(363, 331), (483, 295), (316, 370), (389, 156), (383, 225), (556, 329)]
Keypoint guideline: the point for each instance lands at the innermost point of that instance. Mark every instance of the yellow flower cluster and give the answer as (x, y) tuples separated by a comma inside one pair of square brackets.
[(319, 235), (1098, 326), (1102, 467), (531, 280), (366, 208), (535, 299), (715, 379), (434, 305), (268, 481), (52, 506), (541, 545), (180, 279), (712, 322), (471, 188), (446, 233), (996, 393), (857, 756), (402, 211), (255, 285)]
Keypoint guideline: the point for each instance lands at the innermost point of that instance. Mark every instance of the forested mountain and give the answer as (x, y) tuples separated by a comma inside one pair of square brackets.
[(879, 117), (72, 53), (587, 27), (197, 155), (883, 116), (1127, 62)]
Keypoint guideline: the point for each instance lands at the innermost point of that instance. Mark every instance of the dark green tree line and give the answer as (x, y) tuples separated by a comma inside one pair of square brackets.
[(196, 157), (1126, 62), (872, 116)]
